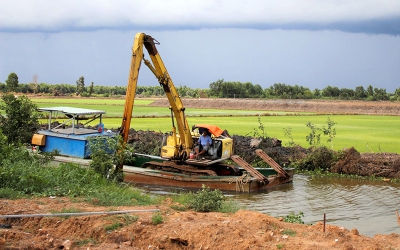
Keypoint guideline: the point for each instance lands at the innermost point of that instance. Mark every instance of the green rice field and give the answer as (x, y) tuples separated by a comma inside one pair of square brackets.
[(367, 133)]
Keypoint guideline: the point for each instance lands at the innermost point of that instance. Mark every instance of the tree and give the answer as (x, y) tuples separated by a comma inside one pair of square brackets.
[(360, 93), (330, 131), (346, 94), (80, 85), (330, 91), (314, 137), (12, 82), (91, 89), (380, 94), (18, 118), (397, 94), (35, 83), (216, 88), (370, 91), (317, 93)]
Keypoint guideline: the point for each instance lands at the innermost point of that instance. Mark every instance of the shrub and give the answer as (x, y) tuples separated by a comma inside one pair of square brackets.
[(206, 200), (294, 218), (104, 152), (18, 118), (157, 219)]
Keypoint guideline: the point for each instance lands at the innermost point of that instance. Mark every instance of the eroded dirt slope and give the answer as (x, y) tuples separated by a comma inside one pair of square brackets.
[(180, 230)]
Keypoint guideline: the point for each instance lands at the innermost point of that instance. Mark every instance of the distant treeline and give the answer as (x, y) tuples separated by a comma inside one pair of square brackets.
[(218, 89)]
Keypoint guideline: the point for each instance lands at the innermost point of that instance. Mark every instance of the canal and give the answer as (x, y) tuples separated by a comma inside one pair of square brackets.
[(368, 206)]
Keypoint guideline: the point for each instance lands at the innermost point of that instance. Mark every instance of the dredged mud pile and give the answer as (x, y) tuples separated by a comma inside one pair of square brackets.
[(385, 165)]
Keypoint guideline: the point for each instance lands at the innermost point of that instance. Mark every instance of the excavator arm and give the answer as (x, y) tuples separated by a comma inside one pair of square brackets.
[(182, 143)]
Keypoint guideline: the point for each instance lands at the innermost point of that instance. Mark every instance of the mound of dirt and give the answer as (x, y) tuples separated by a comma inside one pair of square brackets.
[(179, 230), (385, 165), (318, 106)]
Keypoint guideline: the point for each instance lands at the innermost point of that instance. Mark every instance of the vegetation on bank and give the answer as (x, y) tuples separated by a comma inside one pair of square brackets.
[(24, 174)]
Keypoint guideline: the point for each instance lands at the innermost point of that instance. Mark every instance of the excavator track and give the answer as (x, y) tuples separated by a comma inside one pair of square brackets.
[(281, 172), (176, 168), (252, 171)]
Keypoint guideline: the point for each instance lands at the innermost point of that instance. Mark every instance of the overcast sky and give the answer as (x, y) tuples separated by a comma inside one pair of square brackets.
[(311, 43)]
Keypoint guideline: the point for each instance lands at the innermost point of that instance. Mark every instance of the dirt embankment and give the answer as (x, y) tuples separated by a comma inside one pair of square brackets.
[(318, 106), (180, 230)]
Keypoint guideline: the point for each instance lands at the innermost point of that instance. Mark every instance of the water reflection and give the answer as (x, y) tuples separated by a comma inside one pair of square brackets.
[(369, 206)]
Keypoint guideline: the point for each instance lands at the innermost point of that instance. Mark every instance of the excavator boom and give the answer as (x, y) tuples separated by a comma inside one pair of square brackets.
[(182, 144)]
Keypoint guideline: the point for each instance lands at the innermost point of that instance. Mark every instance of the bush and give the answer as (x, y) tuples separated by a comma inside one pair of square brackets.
[(206, 200), (104, 152), (18, 118), (294, 218)]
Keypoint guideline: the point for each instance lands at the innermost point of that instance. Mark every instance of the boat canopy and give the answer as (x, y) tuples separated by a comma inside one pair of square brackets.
[(73, 111), (74, 115)]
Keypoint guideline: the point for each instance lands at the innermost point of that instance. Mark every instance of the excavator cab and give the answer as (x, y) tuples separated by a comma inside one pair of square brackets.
[(220, 149)]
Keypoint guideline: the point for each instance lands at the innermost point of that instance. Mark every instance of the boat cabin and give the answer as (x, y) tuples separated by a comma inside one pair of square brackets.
[(70, 137)]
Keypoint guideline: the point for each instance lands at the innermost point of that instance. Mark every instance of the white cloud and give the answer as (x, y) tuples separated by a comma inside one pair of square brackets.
[(60, 15)]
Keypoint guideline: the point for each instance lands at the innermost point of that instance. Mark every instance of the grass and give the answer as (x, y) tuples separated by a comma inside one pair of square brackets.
[(120, 221), (364, 132), (289, 232), (84, 242), (114, 226), (280, 246), (9, 193), (157, 219), (23, 174), (68, 210)]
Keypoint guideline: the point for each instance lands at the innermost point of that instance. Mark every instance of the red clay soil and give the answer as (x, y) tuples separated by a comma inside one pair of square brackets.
[(180, 230)]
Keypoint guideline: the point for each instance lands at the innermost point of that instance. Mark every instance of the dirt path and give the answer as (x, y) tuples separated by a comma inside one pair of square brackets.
[(180, 230)]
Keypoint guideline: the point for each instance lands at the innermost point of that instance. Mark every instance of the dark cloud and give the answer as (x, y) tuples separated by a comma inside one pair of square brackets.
[(390, 26)]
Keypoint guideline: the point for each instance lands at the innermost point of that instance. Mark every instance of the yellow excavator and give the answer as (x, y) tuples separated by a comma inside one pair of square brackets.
[(179, 144)]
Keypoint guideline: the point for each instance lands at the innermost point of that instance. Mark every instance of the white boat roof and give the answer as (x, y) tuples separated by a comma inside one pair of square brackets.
[(73, 111)]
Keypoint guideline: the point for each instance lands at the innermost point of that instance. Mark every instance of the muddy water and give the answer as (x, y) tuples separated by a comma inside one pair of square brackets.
[(369, 206)]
